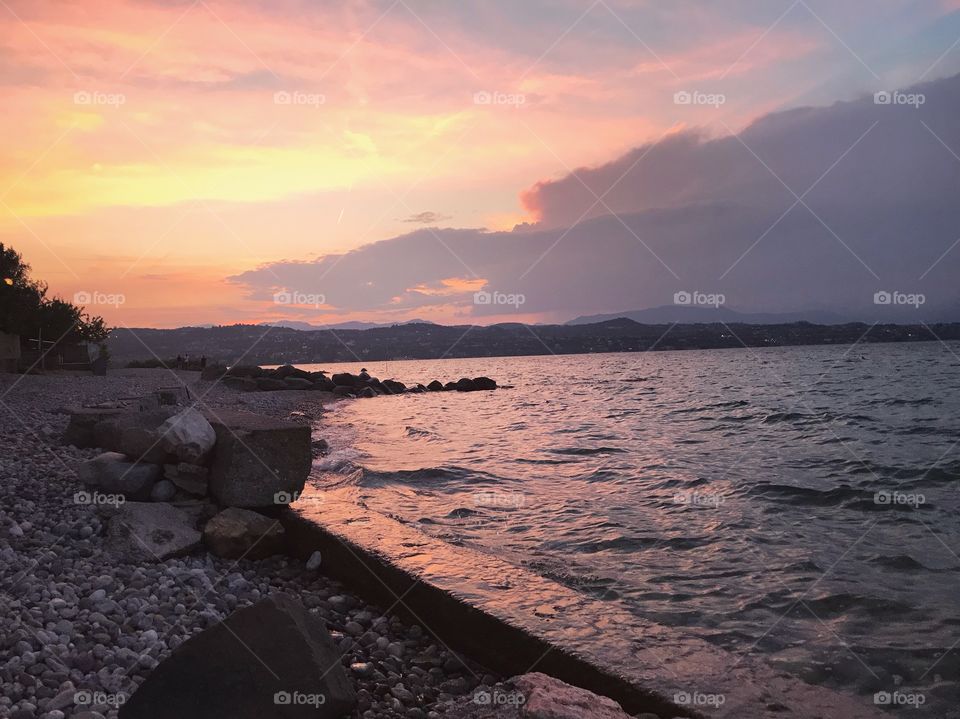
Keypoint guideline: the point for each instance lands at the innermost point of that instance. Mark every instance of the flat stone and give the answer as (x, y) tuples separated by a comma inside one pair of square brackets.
[(273, 659), (150, 531), (257, 461), (236, 533)]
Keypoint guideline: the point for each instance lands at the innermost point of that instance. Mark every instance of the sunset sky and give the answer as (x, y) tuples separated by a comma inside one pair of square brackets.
[(199, 158)]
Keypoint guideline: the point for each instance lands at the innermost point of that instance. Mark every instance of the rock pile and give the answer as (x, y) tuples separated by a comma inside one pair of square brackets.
[(174, 477), (344, 384)]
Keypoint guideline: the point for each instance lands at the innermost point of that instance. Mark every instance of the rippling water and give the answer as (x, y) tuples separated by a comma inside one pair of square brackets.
[(798, 503)]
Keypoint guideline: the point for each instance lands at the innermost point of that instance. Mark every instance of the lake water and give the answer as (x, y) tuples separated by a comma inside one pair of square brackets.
[(800, 504)]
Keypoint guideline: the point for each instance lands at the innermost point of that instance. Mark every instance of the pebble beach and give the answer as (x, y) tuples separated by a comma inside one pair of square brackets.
[(82, 629)]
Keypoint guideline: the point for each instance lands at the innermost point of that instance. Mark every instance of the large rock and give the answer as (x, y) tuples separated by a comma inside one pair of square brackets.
[(150, 531), (257, 461), (83, 420), (188, 477), (298, 383), (188, 435), (287, 371), (484, 383), (111, 473), (345, 379), (244, 384), (246, 371), (549, 698), (135, 434), (533, 696), (273, 659), (394, 386), (270, 384), (435, 386), (324, 384), (236, 533)]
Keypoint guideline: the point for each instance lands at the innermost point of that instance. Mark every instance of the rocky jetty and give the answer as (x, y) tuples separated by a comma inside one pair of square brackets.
[(343, 384)]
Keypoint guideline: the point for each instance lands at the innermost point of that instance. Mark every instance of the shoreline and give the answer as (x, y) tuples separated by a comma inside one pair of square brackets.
[(107, 599), (79, 622)]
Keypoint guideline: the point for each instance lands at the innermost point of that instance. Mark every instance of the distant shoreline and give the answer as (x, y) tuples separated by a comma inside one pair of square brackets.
[(267, 345)]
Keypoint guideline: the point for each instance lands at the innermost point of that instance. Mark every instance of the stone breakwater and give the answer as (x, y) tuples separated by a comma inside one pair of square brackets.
[(104, 595), (343, 384)]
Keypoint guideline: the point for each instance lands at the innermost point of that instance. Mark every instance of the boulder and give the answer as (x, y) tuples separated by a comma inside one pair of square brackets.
[(240, 533), (135, 434), (287, 371), (149, 531), (367, 392), (394, 386), (298, 383), (190, 478), (324, 385), (188, 435), (270, 384), (273, 659), (345, 379), (342, 391), (549, 698), (163, 491), (250, 371), (484, 383), (533, 696), (80, 428), (435, 386), (465, 384), (111, 473), (257, 459), (449, 386)]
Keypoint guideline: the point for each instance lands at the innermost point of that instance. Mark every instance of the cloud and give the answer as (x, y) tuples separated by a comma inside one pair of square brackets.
[(427, 218), (809, 208)]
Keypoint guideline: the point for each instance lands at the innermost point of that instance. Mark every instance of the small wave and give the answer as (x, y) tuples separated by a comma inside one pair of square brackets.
[(900, 562), (417, 432), (586, 451), (341, 461), (795, 495)]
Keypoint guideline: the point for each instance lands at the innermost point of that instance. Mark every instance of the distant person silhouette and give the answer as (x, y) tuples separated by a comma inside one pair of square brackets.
[(179, 362), (203, 362)]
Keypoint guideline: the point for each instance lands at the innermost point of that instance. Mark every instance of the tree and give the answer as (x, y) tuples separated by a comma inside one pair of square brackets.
[(25, 308)]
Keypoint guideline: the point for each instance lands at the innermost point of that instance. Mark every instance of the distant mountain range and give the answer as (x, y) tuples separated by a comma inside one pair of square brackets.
[(353, 325), (256, 344), (668, 314)]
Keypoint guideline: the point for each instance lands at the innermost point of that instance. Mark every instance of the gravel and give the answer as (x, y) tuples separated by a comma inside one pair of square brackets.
[(81, 629)]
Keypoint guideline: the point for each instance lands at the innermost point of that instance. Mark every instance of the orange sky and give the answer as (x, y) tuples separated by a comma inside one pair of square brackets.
[(154, 149)]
